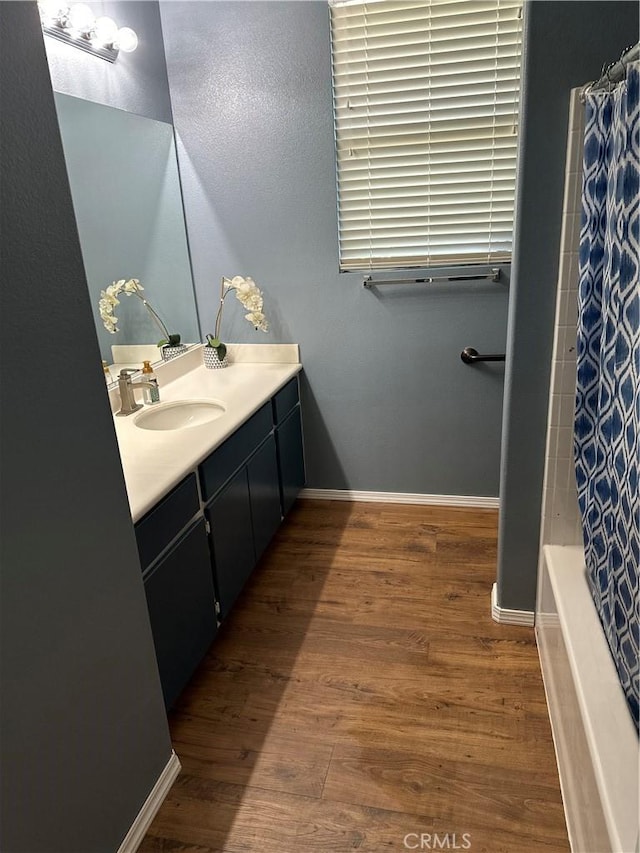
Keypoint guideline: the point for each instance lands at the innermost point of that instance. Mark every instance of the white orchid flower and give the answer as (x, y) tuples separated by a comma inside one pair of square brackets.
[(108, 297), (241, 284), (108, 300), (110, 323), (253, 302), (257, 319), (249, 295)]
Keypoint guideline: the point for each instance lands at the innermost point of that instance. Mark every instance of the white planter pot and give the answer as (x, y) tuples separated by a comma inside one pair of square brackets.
[(172, 352), (211, 359)]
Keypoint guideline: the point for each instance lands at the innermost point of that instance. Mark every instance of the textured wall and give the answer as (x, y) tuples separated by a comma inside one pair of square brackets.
[(388, 404), (565, 46), (137, 82), (84, 733)]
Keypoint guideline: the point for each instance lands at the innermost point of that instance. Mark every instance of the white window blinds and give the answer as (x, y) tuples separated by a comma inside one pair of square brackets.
[(426, 110)]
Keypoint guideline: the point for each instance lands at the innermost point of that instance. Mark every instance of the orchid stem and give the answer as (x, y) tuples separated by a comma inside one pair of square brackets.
[(223, 296), (157, 319)]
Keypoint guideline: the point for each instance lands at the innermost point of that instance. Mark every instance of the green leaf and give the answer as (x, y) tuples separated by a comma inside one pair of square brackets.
[(217, 345), (162, 343), (174, 340)]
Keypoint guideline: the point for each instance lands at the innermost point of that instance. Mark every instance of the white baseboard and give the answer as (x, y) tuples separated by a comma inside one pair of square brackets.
[(151, 805), (506, 616), (478, 502)]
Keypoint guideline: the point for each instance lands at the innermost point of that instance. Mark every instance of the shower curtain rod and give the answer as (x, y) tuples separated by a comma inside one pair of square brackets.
[(614, 73)]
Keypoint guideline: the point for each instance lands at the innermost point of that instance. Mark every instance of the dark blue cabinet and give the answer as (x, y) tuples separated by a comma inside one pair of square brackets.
[(288, 423), (161, 525), (264, 494), (285, 400), (290, 458), (234, 452), (231, 537), (199, 545), (176, 569), (245, 513), (180, 598)]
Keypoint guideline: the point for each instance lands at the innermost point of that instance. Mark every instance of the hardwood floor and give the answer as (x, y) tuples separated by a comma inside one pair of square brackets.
[(360, 695)]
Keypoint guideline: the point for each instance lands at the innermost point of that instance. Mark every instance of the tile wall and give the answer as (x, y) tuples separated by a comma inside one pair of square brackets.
[(560, 514)]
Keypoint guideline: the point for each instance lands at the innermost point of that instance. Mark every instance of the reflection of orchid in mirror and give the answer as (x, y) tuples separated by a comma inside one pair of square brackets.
[(130, 287), (248, 293)]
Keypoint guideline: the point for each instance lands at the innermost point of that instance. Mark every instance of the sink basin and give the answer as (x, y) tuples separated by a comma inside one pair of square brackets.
[(180, 414)]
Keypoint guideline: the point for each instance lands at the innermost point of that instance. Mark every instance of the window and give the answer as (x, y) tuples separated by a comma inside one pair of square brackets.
[(426, 111)]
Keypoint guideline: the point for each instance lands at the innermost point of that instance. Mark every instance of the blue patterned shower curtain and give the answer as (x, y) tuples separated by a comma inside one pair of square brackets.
[(607, 424)]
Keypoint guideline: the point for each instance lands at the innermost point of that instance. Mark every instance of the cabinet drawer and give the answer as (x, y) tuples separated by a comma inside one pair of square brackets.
[(181, 604), (163, 523), (285, 400), (223, 462)]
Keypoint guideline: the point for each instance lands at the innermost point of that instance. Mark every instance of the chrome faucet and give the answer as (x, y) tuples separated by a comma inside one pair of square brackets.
[(127, 389)]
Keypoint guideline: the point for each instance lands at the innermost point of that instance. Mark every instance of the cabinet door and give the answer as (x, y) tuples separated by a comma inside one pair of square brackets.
[(229, 516), (264, 491), (291, 459), (285, 400), (181, 606)]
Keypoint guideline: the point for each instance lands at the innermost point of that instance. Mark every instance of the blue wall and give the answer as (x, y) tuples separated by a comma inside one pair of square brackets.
[(388, 404), (84, 731), (565, 46)]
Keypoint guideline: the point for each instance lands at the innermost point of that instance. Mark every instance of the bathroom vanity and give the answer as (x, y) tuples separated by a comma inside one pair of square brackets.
[(213, 468), (207, 499)]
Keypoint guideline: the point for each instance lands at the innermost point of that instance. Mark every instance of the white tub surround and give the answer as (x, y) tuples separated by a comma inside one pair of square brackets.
[(594, 736), (560, 522), (595, 739), (155, 461)]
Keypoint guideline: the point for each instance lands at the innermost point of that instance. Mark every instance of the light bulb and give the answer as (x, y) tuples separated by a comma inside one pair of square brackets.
[(127, 40), (106, 30), (51, 10), (81, 17)]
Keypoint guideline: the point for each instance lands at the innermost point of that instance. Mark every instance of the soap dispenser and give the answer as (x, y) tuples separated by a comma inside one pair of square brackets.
[(150, 395), (107, 372)]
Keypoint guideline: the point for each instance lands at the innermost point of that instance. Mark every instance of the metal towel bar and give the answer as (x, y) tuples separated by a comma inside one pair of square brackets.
[(470, 356), (494, 275)]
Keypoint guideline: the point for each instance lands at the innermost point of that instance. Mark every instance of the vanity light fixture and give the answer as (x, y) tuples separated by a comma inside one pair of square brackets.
[(77, 25)]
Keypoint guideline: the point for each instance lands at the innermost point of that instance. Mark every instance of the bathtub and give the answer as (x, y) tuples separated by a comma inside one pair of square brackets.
[(595, 739)]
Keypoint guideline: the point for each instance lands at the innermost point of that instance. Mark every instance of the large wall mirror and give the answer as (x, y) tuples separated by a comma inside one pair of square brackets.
[(125, 186)]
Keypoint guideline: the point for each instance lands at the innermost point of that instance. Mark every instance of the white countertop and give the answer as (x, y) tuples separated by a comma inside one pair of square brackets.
[(155, 461)]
